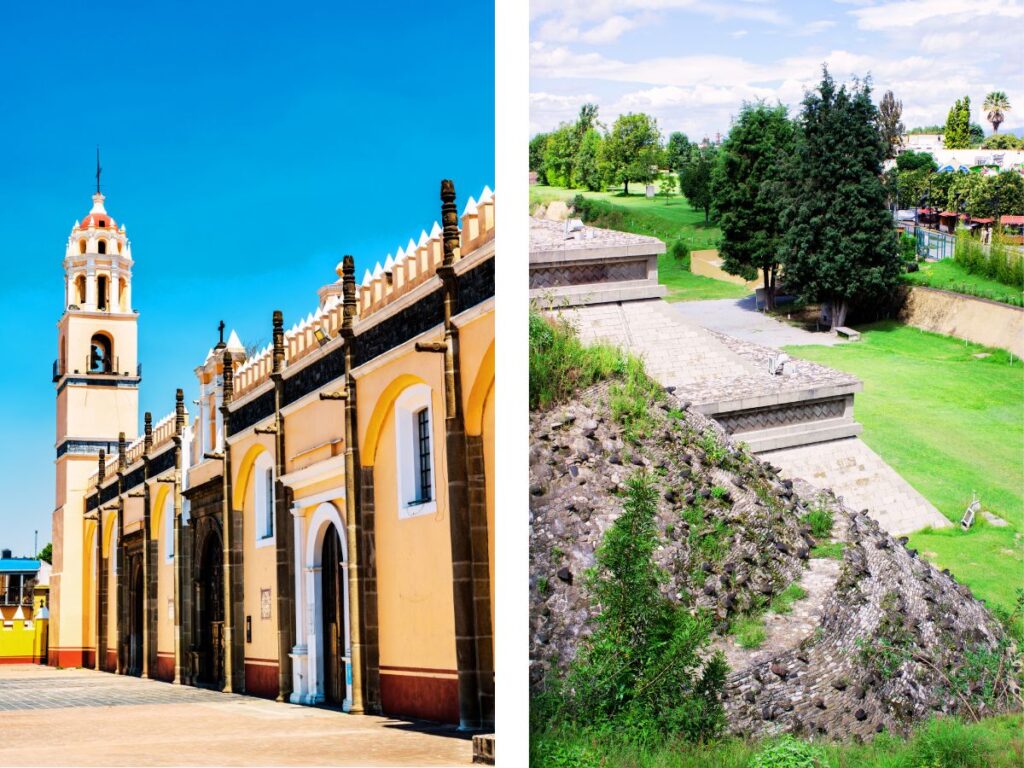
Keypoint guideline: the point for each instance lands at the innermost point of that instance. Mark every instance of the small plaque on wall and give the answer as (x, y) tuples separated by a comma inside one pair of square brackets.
[(170, 609), (264, 603)]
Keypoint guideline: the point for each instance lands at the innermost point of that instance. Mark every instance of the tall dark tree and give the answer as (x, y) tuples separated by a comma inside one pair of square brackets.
[(889, 113), (586, 120), (696, 177), (677, 151), (840, 245), (746, 190), (957, 134), (631, 149)]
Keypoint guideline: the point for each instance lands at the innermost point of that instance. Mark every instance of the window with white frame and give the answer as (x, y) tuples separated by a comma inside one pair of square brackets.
[(415, 452), (263, 487), (169, 527)]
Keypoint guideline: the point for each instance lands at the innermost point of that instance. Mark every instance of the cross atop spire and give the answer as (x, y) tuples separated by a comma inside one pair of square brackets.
[(220, 329), (99, 170)]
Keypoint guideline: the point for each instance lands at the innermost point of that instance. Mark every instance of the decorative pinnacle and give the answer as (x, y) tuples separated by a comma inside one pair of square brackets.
[(148, 432), (229, 378), (278, 341), (99, 169), (449, 221), (122, 450), (179, 411), (103, 466), (348, 290)]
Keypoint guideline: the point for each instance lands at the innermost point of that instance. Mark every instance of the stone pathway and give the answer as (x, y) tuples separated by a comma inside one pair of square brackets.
[(864, 480), (82, 717), (738, 318), (785, 631)]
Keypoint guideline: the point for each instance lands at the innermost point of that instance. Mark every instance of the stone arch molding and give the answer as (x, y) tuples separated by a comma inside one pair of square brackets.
[(308, 671), (479, 392), (381, 410)]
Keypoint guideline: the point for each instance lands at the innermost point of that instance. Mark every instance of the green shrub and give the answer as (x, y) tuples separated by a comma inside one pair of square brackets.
[(749, 630), (820, 520), (560, 365), (787, 752), (948, 743), (783, 602), (681, 253), (640, 672)]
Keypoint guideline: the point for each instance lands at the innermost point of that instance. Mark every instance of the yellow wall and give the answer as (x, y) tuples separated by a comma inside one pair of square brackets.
[(414, 572), (20, 639)]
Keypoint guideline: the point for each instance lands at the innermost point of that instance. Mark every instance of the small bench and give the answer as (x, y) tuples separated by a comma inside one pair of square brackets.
[(847, 333)]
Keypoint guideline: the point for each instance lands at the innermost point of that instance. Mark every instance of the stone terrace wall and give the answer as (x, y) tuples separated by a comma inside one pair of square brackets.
[(965, 317)]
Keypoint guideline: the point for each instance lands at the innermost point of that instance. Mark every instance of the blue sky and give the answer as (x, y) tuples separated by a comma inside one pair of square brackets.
[(245, 152), (692, 63)]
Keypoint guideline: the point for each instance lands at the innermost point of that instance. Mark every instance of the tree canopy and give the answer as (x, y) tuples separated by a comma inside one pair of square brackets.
[(996, 105), (957, 134), (889, 124), (841, 248), (631, 149), (747, 188), (677, 151)]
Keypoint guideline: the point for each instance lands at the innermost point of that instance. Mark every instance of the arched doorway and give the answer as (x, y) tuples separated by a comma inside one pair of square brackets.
[(209, 613), (334, 619), (136, 601)]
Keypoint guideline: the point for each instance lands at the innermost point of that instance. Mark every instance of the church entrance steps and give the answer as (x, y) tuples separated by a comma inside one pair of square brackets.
[(858, 474)]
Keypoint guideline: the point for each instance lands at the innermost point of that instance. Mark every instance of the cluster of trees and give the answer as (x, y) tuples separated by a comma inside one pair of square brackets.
[(960, 133), (585, 155), (915, 182), (805, 196)]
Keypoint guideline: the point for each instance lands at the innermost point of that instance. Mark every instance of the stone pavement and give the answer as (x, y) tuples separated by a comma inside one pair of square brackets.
[(739, 319), (83, 717), (862, 478)]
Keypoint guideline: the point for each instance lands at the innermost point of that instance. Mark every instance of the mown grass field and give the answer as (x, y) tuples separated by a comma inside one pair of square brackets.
[(950, 276), (670, 219), (995, 742), (951, 424)]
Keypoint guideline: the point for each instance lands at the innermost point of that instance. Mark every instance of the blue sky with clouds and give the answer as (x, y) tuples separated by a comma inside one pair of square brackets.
[(246, 147), (692, 63)]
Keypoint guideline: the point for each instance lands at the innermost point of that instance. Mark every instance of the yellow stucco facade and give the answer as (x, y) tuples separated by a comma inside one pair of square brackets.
[(320, 527)]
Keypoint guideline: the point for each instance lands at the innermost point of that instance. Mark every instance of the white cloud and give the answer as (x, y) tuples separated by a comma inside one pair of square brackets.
[(815, 27), (739, 33), (609, 30), (908, 14)]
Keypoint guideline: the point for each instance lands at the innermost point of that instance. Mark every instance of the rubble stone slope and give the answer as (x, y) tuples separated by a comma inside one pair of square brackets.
[(898, 640)]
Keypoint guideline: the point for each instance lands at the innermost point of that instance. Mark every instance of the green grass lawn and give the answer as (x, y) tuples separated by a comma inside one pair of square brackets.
[(950, 424), (669, 219), (950, 276)]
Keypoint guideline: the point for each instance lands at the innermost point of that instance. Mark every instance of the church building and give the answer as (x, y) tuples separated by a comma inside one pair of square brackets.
[(319, 527)]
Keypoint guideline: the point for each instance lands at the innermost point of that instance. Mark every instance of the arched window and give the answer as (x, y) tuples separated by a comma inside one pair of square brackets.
[(122, 290), (81, 245), (263, 498), (102, 246), (101, 354), (80, 289), (169, 527), (101, 291), (414, 452)]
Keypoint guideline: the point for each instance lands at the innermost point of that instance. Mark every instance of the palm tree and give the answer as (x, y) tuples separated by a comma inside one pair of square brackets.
[(996, 104)]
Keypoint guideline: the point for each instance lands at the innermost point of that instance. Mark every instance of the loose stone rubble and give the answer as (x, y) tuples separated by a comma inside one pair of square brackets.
[(896, 640)]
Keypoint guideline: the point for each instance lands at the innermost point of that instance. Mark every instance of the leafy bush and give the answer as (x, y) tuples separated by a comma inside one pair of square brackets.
[(820, 520), (681, 253), (560, 364), (998, 261), (640, 673), (787, 752), (948, 743), (749, 630)]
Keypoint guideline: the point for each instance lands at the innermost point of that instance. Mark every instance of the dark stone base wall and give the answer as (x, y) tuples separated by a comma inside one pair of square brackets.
[(111, 662), (164, 669), (261, 680), (368, 572), (428, 698)]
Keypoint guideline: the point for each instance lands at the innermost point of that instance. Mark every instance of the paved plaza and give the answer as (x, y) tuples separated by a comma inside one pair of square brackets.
[(81, 717), (738, 318)]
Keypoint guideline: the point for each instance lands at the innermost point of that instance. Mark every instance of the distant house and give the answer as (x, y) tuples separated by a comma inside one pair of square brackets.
[(24, 590)]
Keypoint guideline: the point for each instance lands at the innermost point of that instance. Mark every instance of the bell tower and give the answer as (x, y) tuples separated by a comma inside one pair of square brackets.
[(96, 376)]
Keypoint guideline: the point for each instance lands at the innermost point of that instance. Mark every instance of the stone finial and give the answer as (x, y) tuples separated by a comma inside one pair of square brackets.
[(147, 443), (278, 341), (229, 378), (122, 450), (179, 411), (102, 474), (348, 290), (449, 220)]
